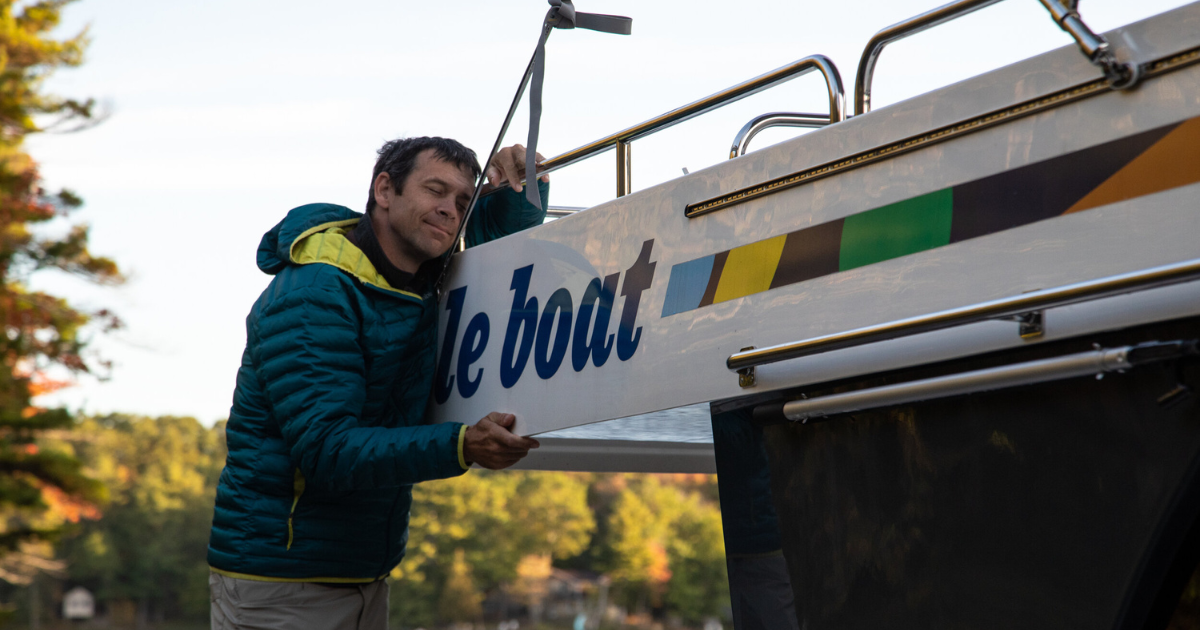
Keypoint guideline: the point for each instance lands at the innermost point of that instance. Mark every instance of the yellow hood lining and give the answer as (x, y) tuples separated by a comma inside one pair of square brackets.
[(327, 244)]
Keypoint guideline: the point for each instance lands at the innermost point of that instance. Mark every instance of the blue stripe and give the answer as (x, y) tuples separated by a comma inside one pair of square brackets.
[(686, 287)]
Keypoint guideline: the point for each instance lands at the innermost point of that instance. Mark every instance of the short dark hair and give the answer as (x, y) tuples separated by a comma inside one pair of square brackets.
[(398, 157)]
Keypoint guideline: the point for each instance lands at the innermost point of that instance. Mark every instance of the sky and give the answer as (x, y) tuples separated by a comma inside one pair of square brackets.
[(223, 115)]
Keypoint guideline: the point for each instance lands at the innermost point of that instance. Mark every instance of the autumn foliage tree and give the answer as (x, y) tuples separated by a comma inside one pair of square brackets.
[(44, 335), (660, 540), (469, 535)]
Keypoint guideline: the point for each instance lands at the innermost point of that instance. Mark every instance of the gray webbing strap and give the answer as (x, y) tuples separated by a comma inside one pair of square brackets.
[(562, 14)]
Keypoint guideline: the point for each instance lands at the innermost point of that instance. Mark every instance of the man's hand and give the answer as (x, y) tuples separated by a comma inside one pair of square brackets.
[(492, 444), (509, 167)]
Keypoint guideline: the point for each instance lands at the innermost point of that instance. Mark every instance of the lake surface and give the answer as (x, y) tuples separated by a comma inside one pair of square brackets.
[(682, 424)]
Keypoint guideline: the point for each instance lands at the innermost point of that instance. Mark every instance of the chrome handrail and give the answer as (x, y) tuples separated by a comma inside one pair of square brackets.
[(996, 309), (1066, 16), (622, 139), (741, 141), (1093, 362), (1088, 363), (900, 30)]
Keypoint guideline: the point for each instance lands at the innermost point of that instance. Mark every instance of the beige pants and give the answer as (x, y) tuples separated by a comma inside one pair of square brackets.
[(252, 605)]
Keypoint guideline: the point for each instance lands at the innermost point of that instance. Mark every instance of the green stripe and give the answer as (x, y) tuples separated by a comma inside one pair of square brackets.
[(898, 229)]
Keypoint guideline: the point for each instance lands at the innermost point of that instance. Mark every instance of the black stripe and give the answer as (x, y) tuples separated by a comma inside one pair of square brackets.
[(809, 253), (1041, 190), (713, 279)]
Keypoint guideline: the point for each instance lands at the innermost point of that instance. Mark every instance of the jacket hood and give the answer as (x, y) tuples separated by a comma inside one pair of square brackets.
[(274, 250)]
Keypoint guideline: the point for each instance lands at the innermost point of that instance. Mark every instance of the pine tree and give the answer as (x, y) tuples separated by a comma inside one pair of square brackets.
[(44, 335)]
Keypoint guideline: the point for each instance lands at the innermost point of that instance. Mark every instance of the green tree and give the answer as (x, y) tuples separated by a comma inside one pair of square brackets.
[(43, 334), (460, 600), (494, 519), (699, 582), (149, 548), (662, 545)]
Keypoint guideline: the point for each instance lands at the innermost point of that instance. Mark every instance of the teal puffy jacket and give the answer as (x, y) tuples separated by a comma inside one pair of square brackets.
[(326, 433)]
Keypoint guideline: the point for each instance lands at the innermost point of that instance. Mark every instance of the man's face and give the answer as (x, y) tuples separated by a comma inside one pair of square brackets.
[(422, 220)]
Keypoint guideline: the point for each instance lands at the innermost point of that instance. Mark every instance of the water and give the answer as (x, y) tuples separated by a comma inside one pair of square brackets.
[(682, 424)]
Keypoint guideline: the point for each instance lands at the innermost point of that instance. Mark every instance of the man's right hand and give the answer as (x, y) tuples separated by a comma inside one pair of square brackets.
[(492, 444), (508, 167)]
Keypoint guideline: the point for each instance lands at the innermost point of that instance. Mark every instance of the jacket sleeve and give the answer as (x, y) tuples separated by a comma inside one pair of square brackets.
[(310, 362), (505, 212)]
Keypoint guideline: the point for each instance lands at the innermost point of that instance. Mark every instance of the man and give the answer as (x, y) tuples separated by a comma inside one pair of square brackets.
[(326, 432)]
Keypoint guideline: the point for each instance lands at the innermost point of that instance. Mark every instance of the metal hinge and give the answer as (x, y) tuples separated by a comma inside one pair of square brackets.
[(746, 377), (1031, 325)]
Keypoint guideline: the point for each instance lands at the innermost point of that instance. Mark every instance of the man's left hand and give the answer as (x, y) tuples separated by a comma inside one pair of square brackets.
[(492, 444), (508, 167)]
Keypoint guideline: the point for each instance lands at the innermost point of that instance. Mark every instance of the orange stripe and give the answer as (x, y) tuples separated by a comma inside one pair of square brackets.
[(1169, 163)]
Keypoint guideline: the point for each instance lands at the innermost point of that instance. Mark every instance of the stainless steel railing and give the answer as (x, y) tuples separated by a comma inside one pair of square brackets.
[(622, 139), (1004, 308), (1065, 15), (741, 141), (898, 31)]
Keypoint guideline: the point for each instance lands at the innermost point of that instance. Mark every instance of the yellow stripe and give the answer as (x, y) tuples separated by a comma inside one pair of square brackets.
[(310, 247), (264, 578), (462, 438), (749, 269)]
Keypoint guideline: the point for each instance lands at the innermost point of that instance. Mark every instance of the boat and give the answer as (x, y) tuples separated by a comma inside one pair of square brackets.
[(965, 325)]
